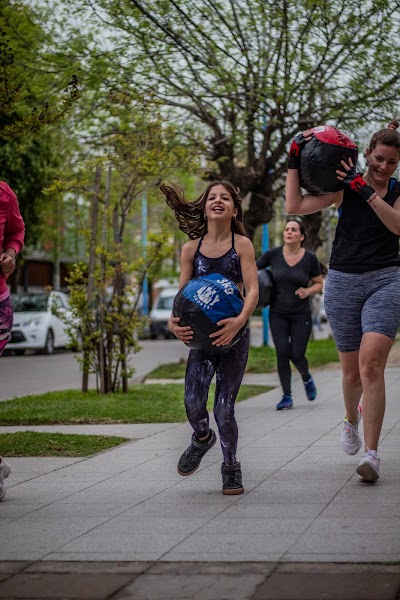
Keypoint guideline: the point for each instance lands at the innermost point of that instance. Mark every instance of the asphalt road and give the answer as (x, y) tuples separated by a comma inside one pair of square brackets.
[(35, 374)]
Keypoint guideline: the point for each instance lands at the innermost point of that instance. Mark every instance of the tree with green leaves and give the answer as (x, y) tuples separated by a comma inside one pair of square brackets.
[(31, 111), (139, 149), (251, 74)]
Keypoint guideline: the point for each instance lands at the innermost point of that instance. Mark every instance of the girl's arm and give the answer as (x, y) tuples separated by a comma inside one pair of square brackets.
[(185, 334), (297, 204), (250, 279)]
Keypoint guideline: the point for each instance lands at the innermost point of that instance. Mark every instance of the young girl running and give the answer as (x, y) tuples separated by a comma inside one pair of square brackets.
[(362, 299), (214, 224)]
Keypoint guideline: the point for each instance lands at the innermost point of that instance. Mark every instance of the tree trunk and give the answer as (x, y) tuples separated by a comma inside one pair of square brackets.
[(92, 262)]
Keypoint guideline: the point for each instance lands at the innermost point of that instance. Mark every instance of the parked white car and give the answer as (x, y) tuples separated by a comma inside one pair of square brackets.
[(161, 312), (36, 325)]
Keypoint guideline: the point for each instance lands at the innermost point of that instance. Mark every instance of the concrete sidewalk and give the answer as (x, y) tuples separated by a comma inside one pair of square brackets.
[(133, 528)]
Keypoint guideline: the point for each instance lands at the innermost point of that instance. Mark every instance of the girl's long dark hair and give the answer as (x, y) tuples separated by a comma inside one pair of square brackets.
[(190, 215)]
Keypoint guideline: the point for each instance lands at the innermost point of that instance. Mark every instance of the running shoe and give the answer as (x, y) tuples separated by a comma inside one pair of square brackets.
[(285, 403), (351, 439), (311, 390), (368, 469), (191, 458), (4, 473)]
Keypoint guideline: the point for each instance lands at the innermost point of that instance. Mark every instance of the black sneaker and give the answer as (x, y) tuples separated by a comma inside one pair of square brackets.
[(191, 458), (231, 479)]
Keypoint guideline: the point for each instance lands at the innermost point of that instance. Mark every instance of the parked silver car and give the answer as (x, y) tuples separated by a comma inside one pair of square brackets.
[(161, 312), (38, 322)]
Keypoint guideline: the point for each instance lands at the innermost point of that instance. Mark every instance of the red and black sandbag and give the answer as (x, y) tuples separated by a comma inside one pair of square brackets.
[(320, 158)]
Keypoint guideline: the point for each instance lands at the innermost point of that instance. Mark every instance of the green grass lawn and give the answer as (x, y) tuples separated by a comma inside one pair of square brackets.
[(32, 443), (319, 353), (154, 403), (261, 360)]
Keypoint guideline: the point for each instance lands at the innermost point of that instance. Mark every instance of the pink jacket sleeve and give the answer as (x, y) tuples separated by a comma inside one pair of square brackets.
[(14, 231)]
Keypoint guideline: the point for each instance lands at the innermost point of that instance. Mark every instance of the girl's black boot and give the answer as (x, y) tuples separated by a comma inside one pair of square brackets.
[(232, 479)]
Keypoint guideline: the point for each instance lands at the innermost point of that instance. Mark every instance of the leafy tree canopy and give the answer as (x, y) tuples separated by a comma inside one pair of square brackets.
[(250, 74)]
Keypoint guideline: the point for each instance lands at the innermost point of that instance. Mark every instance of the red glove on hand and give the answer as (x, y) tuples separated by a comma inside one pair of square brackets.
[(357, 184), (296, 147)]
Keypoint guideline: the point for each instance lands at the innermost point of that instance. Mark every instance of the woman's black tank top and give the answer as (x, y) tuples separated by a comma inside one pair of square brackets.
[(227, 265), (362, 242)]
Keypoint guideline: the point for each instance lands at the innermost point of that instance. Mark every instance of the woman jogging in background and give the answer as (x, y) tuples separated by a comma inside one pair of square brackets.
[(362, 298), (214, 224), (12, 231), (293, 269)]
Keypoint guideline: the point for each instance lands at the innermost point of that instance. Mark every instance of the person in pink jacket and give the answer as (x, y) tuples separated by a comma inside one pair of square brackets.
[(12, 232)]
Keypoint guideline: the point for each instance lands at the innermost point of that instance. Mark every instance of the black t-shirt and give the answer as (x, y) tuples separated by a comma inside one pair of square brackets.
[(289, 279), (362, 242)]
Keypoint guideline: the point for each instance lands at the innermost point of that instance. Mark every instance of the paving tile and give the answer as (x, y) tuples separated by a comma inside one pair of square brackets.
[(28, 535), (260, 525), (121, 555), (354, 525), (9, 566), (298, 586), (80, 509), (333, 568), (222, 557), (229, 543), (216, 568), (152, 507), (356, 543), (49, 566), (53, 586), (127, 525), (370, 510), (35, 492), (181, 587), (148, 542), (13, 510)]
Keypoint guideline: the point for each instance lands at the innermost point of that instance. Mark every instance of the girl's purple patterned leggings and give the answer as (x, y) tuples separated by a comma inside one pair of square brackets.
[(229, 367), (6, 322)]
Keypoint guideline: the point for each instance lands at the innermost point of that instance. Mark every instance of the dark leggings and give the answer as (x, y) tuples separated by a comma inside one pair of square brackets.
[(229, 367), (291, 334)]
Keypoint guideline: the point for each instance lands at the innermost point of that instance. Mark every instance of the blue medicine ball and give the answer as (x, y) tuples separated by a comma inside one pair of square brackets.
[(204, 301)]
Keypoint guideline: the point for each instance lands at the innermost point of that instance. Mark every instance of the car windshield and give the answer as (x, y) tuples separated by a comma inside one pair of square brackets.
[(29, 302), (165, 302)]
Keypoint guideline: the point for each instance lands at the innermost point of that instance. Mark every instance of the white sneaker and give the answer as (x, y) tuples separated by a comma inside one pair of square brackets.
[(351, 439), (4, 473), (368, 469)]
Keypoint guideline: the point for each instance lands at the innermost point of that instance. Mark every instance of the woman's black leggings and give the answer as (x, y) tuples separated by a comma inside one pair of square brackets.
[(291, 334), (229, 367)]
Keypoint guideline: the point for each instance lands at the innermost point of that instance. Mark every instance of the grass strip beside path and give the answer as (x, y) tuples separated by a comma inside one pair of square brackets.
[(261, 360), (154, 403), (32, 443), (319, 353)]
